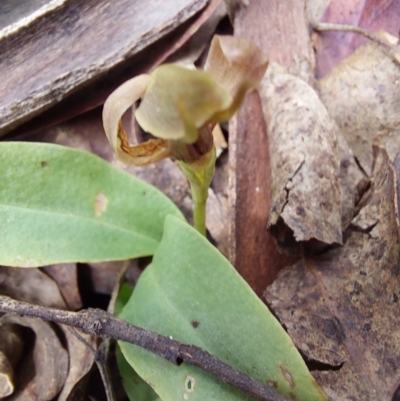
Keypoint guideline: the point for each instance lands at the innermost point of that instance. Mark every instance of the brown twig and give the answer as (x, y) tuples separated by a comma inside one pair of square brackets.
[(325, 27), (100, 323)]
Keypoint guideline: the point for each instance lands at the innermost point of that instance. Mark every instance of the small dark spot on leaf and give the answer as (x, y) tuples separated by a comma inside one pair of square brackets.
[(345, 163), (311, 346), (357, 289), (43, 164), (333, 328), (272, 383), (179, 361), (366, 327), (195, 324), (300, 211), (392, 363), (144, 193), (189, 384)]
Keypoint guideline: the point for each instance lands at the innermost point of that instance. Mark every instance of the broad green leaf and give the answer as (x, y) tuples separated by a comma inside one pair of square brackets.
[(61, 205), (192, 293), (135, 387)]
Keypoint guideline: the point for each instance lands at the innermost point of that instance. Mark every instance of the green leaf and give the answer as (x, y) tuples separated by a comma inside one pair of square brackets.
[(135, 387), (192, 293), (62, 205)]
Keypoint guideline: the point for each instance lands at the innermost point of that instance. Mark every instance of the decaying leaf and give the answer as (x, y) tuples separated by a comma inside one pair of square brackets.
[(306, 196), (42, 373), (30, 285), (11, 348), (342, 307), (371, 15), (194, 47), (81, 359), (66, 277), (60, 365), (353, 182), (362, 94)]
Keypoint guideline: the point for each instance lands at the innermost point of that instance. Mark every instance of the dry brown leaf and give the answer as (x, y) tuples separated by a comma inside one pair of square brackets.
[(66, 277), (362, 94), (30, 285), (371, 15), (306, 194), (41, 374), (194, 47), (342, 307), (11, 347), (66, 368), (217, 220), (353, 182), (103, 275), (81, 361)]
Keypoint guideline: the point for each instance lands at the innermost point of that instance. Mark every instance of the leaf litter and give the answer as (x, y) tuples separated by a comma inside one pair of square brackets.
[(341, 306)]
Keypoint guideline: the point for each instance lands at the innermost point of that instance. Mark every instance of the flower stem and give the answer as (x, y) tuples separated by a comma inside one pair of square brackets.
[(199, 216), (199, 175)]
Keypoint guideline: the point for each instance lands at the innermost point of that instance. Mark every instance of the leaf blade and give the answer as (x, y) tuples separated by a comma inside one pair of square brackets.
[(62, 205), (198, 298)]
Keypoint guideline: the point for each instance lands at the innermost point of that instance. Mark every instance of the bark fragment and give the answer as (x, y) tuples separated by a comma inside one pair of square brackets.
[(306, 193)]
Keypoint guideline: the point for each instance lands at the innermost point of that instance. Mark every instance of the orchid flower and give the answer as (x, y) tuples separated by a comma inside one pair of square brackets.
[(180, 106)]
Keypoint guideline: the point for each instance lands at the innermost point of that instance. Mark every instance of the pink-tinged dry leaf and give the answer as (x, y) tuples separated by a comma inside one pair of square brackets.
[(362, 94), (342, 307), (237, 65), (41, 374), (371, 15), (306, 193), (11, 348)]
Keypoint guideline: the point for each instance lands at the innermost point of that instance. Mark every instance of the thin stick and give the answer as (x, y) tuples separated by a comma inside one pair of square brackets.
[(102, 324), (325, 27)]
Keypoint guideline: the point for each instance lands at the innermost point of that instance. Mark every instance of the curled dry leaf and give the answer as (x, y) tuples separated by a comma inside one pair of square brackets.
[(362, 94), (81, 361), (42, 373), (305, 189), (341, 308), (63, 368), (11, 347)]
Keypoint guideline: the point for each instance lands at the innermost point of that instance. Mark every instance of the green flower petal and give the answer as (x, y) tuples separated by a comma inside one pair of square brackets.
[(179, 101)]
